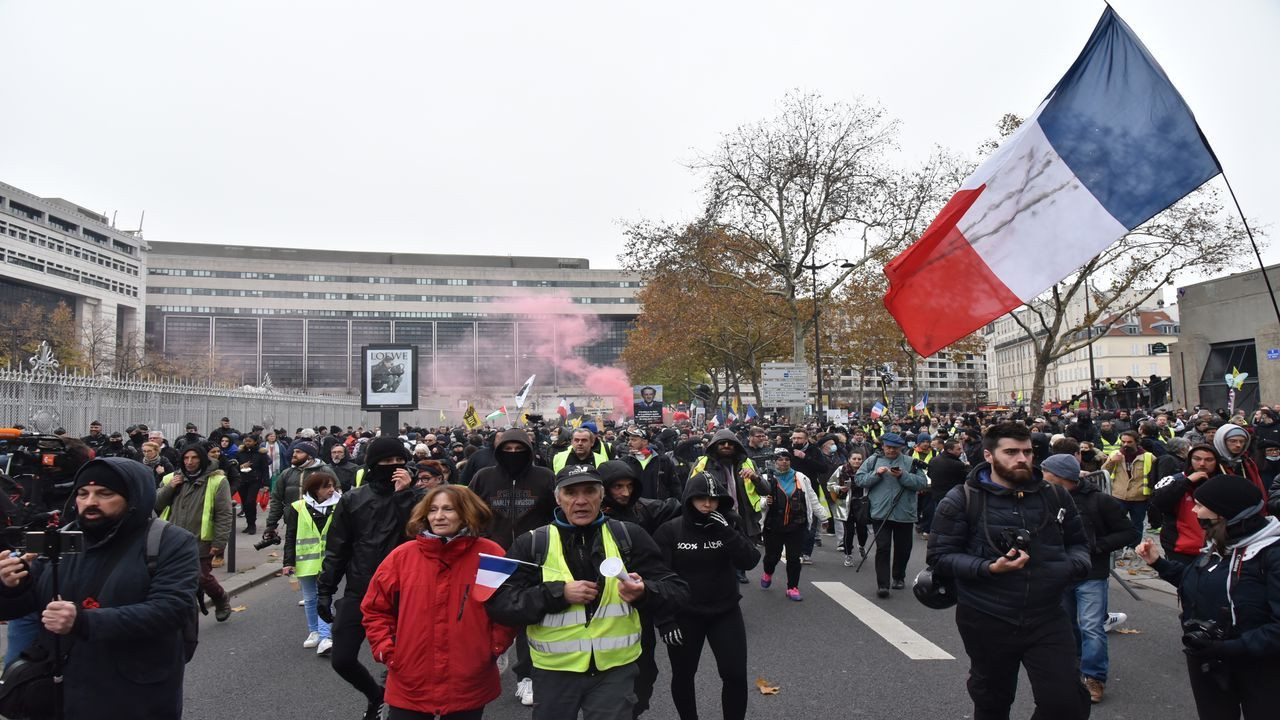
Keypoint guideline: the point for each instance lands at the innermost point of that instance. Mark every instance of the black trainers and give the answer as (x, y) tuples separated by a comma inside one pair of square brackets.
[(898, 584), (882, 592), (374, 710)]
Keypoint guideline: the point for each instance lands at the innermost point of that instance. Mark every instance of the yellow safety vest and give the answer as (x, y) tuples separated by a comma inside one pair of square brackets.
[(567, 641), (308, 544), (752, 496), (359, 476), (562, 458), (210, 497)]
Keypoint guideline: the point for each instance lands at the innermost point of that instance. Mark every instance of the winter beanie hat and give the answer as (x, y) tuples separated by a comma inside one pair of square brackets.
[(1231, 496), (304, 446), (383, 447), (1063, 466)]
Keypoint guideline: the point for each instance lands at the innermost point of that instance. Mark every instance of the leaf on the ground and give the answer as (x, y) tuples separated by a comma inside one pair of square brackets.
[(239, 608), (274, 555), (765, 687), (1128, 631)]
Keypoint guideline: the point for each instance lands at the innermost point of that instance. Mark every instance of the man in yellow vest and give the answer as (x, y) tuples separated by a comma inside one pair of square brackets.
[(584, 629), (197, 498), (1131, 470), (583, 450)]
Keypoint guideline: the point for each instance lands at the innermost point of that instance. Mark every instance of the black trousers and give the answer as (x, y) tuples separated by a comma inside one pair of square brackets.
[(646, 665), (852, 526), (249, 501), (348, 637), (1046, 650), (395, 713), (793, 541), (895, 538), (1236, 688), (523, 666), (727, 636)]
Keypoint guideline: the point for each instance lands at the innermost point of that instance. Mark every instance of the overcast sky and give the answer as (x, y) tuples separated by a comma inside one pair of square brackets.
[(538, 127)]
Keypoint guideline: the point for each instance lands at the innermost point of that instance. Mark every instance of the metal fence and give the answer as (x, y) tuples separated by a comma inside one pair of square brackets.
[(44, 401)]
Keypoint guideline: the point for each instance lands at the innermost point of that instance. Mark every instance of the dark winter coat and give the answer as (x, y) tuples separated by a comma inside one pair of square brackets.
[(964, 551), (705, 553), (285, 492), (368, 523), (647, 513), (1106, 526), (1180, 532), (520, 501), (1241, 592), (945, 472), (659, 478), (128, 658)]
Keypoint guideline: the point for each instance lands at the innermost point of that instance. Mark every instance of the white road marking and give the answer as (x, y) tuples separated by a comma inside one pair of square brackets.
[(911, 643)]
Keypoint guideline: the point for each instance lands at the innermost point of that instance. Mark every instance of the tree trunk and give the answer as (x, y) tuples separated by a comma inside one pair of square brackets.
[(1037, 383)]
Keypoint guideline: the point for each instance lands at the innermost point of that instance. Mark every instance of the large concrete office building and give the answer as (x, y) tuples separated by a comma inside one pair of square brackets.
[(482, 323), (1228, 323), (55, 251)]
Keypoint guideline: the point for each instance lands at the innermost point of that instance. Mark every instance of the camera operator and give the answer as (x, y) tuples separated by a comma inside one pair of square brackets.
[(128, 633), (1013, 544), (1228, 597)]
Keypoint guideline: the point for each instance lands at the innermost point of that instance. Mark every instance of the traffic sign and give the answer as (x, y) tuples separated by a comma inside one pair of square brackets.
[(784, 384), (1273, 354)]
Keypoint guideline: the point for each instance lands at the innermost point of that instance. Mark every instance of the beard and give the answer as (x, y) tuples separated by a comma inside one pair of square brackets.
[(1017, 472)]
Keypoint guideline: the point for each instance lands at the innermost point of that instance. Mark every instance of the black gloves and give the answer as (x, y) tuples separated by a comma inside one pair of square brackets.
[(324, 608), (717, 518), (673, 636), (1201, 646)]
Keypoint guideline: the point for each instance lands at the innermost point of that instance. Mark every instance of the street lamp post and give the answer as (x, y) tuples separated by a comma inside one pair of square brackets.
[(817, 336)]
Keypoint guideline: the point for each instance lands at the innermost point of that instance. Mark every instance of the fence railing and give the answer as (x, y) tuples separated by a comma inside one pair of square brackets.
[(44, 401)]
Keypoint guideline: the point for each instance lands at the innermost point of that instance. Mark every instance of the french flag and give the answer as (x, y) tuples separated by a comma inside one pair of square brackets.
[(491, 573), (563, 410), (1112, 145)]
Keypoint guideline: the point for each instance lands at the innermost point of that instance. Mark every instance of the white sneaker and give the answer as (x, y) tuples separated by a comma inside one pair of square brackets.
[(312, 640), (1114, 620), (302, 603), (324, 647), (806, 560), (848, 561), (524, 691)]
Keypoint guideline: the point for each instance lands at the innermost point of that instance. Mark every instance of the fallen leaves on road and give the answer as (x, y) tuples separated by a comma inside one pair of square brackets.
[(1128, 631), (239, 608), (766, 688)]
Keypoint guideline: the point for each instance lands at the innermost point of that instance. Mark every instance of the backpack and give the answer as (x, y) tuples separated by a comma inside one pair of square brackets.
[(191, 620), (621, 536)]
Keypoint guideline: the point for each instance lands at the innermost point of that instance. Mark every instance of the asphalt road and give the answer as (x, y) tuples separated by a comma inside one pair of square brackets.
[(827, 662)]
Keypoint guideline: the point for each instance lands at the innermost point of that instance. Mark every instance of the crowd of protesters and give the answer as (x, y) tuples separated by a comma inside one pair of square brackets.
[(401, 523)]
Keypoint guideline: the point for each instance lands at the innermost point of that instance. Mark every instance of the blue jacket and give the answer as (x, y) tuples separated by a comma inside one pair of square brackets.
[(964, 551), (884, 487), (127, 660)]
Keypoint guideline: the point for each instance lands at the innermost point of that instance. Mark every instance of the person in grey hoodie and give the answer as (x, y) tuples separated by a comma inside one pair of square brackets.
[(892, 485)]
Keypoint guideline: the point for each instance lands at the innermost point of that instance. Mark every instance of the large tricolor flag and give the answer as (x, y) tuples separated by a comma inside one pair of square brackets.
[(1112, 145), (877, 410)]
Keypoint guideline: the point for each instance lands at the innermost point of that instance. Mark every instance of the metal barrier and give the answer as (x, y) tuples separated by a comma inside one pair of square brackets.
[(44, 401)]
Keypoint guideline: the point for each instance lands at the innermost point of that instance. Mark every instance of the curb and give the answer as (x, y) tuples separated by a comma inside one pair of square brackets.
[(251, 578)]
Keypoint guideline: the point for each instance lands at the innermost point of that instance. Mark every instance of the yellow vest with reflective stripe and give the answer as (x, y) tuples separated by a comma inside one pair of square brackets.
[(752, 496), (210, 498), (359, 476), (562, 458), (566, 641), (308, 543)]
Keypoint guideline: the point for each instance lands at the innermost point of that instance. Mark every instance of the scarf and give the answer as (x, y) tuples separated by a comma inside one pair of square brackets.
[(323, 506), (786, 481), (428, 535)]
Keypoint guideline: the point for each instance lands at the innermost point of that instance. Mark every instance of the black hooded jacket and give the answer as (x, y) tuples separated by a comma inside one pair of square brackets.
[(964, 551), (704, 552), (128, 658), (368, 523), (521, 495), (645, 512)]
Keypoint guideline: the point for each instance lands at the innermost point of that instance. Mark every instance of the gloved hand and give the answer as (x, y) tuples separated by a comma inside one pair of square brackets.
[(1201, 646), (717, 518), (270, 533), (673, 636), (324, 608)]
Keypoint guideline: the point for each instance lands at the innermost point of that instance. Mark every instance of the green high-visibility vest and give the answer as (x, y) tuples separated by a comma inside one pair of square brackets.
[(359, 476), (565, 641), (210, 497), (308, 544), (562, 458)]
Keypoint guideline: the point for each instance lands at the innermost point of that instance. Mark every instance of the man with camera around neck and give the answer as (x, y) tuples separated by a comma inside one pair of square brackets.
[(1013, 544)]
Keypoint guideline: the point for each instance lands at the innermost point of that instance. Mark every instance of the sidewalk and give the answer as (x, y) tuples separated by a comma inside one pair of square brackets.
[(253, 567)]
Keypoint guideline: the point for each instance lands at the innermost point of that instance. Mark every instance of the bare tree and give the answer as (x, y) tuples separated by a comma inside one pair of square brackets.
[(1196, 234)]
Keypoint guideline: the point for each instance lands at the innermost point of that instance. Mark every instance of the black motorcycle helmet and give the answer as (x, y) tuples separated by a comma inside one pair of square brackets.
[(933, 591)]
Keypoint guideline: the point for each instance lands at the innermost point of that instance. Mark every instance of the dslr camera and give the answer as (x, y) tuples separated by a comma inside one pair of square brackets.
[(1198, 633), (1014, 539), (35, 483)]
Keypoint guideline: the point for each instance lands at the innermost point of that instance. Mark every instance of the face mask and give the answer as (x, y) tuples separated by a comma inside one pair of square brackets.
[(1273, 457), (513, 462), (382, 473)]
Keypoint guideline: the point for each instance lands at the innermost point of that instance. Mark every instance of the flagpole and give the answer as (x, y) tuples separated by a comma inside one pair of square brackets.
[(1261, 266)]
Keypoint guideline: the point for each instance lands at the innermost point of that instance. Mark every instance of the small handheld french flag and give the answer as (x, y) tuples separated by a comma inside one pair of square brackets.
[(492, 572)]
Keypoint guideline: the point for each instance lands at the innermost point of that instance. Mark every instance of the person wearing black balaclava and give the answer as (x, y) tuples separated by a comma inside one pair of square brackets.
[(521, 496), (367, 525), (1231, 631)]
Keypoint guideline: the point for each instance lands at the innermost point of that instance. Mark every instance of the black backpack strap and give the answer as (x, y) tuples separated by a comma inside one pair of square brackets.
[(621, 536), (541, 539), (155, 533)]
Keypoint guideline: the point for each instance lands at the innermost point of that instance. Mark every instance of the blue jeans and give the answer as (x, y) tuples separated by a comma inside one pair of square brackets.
[(811, 540), (1086, 605), (1138, 516), (22, 632), (314, 623)]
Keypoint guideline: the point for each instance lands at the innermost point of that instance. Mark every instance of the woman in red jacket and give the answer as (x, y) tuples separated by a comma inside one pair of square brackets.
[(422, 620)]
